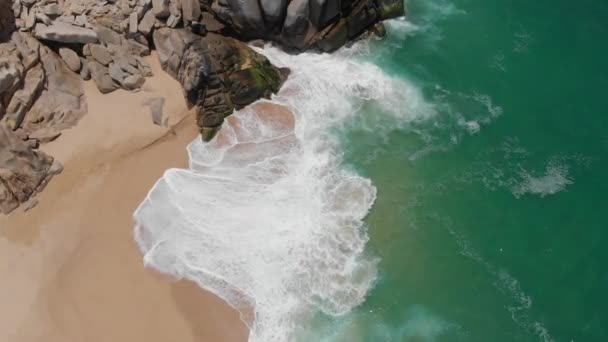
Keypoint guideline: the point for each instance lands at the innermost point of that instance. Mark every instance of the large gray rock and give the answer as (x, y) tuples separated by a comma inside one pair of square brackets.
[(70, 57), (297, 24), (108, 36), (23, 171), (65, 33), (274, 11), (218, 74), (146, 25), (248, 16), (53, 10), (133, 23), (305, 24), (101, 54), (160, 8), (133, 82), (191, 10), (116, 72), (211, 23), (102, 78), (323, 11)]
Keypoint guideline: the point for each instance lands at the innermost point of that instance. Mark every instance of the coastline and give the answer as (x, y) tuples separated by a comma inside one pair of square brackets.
[(72, 269)]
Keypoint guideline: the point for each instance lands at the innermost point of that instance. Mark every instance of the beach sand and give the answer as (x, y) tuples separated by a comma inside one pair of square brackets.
[(70, 270)]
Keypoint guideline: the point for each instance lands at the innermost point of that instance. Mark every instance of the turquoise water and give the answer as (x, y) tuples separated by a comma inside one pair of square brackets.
[(490, 222)]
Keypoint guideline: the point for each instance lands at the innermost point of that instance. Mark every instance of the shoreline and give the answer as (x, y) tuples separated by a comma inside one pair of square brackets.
[(73, 270)]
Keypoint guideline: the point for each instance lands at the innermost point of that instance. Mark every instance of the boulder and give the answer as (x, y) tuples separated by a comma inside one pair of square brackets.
[(297, 24), (133, 23), (70, 58), (133, 82), (85, 73), (65, 33), (247, 16), (191, 10), (101, 76), (211, 23), (218, 74), (76, 8), (304, 24), (43, 18), (108, 36), (160, 8), (116, 72), (53, 10), (22, 170), (274, 11), (323, 11), (101, 54), (146, 25)]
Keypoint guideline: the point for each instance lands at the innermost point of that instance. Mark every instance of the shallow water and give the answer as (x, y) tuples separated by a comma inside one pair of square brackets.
[(477, 130)]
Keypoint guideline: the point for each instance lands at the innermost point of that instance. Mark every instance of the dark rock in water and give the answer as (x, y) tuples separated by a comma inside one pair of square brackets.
[(305, 24), (218, 74), (23, 171), (274, 11)]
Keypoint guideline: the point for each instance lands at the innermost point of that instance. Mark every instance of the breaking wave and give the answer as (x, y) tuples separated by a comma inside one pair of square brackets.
[(267, 217)]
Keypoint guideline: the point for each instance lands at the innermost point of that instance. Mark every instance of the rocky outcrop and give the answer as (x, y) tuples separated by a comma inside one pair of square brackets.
[(23, 171), (48, 47), (218, 74), (325, 25)]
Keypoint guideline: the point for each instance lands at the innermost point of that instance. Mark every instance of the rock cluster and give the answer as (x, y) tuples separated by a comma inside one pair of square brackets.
[(48, 47), (92, 37), (325, 25)]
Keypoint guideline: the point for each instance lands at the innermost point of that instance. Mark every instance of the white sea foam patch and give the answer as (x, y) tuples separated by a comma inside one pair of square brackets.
[(555, 179), (517, 171), (266, 217)]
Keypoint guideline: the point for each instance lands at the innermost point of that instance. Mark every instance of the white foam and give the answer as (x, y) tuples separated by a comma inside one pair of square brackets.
[(554, 180), (266, 217)]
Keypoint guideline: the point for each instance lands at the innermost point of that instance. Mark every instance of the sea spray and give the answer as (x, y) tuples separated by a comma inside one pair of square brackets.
[(267, 217)]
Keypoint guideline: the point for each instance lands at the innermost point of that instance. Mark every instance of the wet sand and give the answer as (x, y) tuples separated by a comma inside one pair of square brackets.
[(70, 269)]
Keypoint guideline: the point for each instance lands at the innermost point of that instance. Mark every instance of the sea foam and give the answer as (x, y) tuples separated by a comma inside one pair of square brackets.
[(267, 217)]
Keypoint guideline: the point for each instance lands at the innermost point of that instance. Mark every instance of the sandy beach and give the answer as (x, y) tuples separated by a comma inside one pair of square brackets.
[(70, 269)]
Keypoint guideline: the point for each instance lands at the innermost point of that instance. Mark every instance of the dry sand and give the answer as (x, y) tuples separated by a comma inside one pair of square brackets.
[(70, 270)]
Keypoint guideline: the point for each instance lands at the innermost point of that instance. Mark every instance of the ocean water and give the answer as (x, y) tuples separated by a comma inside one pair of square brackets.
[(443, 184)]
